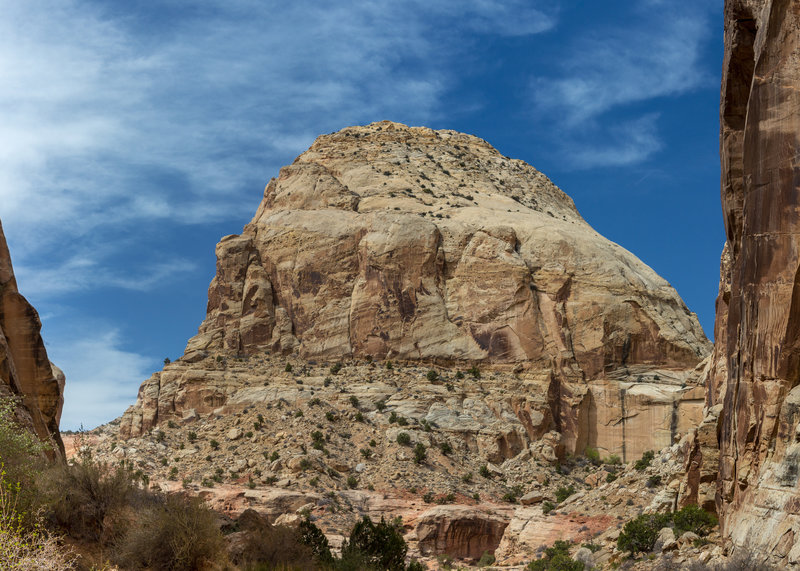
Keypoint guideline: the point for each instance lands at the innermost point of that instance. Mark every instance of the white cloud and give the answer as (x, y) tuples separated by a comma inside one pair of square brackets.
[(124, 120), (102, 378), (113, 117), (611, 70), (625, 144)]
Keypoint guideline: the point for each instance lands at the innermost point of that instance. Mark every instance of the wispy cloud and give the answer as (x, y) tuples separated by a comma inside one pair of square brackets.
[(102, 378), (126, 121), (116, 117), (609, 71)]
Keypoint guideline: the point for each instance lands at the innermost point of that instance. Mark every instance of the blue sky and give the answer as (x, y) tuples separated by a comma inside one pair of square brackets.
[(135, 134)]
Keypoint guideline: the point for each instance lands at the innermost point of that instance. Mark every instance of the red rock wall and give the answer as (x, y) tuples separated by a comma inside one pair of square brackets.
[(758, 311), (25, 371)]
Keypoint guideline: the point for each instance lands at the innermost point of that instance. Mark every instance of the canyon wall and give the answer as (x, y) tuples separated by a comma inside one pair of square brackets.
[(757, 352), (26, 373)]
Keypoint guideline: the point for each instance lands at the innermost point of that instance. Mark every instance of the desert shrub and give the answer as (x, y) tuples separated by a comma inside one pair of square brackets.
[(639, 535), (403, 438), (335, 368), (23, 542), (653, 481), (556, 558), (475, 372), (380, 405), (614, 460), (87, 499), (593, 456), (484, 471), (21, 456), (378, 545), (694, 519), (563, 492), (288, 368), (173, 532), (270, 547), (352, 481), (644, 461), (486, 559), (547, 507), (419, 453), (354, 400), (432, 375), (445, 448)]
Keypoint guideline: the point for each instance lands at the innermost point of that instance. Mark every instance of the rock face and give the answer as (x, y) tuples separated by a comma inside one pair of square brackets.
[(25, 371), (758, 311), (407, 244)]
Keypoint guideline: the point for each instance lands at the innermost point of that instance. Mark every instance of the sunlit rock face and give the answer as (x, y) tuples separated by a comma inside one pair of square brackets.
[(26, 373), (404, 243), (758, 310)]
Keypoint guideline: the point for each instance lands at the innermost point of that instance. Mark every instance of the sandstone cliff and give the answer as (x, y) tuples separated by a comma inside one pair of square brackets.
[(407, 244), (25, 371), (758, 311)]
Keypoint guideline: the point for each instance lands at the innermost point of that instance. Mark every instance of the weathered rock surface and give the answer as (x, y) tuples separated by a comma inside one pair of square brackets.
[(460, 531), (415, 245), (409, 243), (25, 371), (758, 316)]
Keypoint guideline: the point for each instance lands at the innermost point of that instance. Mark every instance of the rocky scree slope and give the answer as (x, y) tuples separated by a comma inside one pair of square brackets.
[(330, 445), (390, 242), (26, 374)]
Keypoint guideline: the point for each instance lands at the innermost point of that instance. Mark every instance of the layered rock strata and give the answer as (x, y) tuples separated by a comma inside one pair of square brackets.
[(409, 243), (401, 243), (758, 312), (26, 374)]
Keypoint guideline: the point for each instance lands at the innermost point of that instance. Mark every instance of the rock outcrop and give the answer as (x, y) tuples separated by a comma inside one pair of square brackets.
[(758, 311), (26, 373), (396, 243), (409, 243)]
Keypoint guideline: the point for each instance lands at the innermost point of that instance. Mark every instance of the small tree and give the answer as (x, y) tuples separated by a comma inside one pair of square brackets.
[(639, 535), (419, 453), (377, 545)]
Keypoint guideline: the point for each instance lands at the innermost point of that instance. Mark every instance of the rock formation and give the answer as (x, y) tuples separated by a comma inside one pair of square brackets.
[(396, 243), (758, 310), (409, 243), (26, 373)]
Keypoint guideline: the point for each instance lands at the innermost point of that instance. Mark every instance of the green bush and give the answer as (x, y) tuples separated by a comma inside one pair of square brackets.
[(639, 535), (563, 493), (335, 368), (593, 456), (404, 438), (556, 558), (547, 507), (380, 546), (644, 461), (432, 376), (23, 542), (694, 519), (445, 448), (419, 453)]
